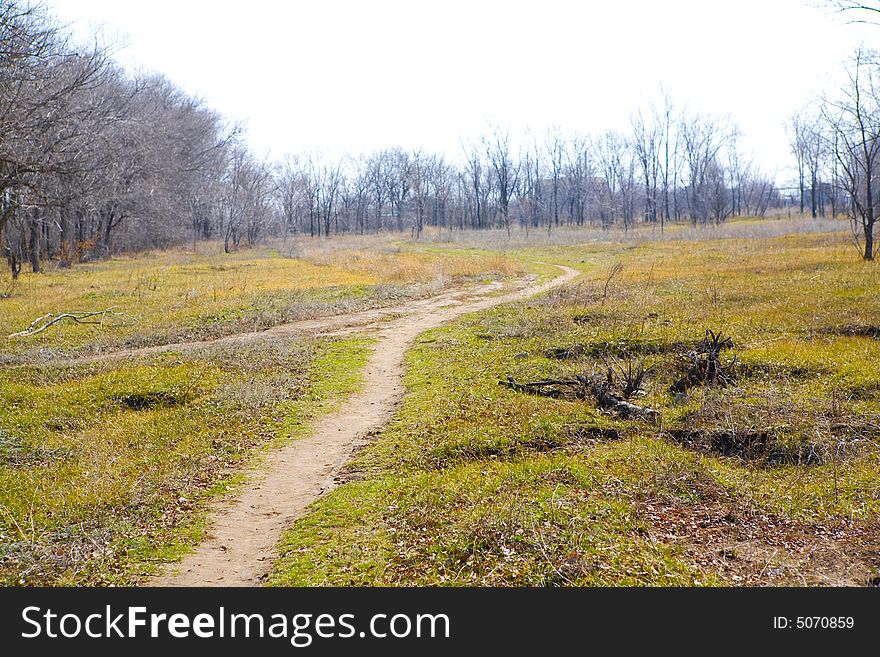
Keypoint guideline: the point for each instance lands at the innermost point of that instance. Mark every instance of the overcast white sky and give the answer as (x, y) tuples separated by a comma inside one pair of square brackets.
[(349, 76)]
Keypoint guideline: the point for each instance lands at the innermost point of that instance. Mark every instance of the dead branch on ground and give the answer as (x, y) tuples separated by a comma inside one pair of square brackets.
[(42, 323), (580, 387)]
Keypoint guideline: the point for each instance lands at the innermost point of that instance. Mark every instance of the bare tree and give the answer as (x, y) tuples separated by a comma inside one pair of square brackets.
[(531, 189), (291, 186), (854, 119), (328, 181), (817, 156), (246, 205), (810, 147), (359, 195), (610, 150), (377, 166), (860, 12), (42, 131), (669, 156), (797, 139), (442, 181), (647, 142), (579, 177), (398, 183), (555, 149), (419, 174), (478, 187), (703, 139), (505, 171)]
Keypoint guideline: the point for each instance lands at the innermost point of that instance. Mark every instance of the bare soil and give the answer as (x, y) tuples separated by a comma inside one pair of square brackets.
[(244, 530)]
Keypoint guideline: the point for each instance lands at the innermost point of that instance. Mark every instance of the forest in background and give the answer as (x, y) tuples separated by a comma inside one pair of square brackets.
[(95, 160)]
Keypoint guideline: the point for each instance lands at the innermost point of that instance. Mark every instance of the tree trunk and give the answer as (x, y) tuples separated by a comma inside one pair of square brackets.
[(813, 199), (107, 218), (801, 188), (34, 234), (65, 257)]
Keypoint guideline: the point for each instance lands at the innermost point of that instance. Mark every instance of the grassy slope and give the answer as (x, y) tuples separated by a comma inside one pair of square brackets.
[(773, 480)]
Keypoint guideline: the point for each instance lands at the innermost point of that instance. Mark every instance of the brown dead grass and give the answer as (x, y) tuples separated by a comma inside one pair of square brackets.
[(752, 548)]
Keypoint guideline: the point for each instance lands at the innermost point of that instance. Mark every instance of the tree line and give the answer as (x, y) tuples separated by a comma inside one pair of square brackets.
[(87, 150), (669, 166), (95, 160)]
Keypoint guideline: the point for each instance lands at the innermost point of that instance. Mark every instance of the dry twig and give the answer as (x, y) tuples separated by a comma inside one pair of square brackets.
[(50, 319)]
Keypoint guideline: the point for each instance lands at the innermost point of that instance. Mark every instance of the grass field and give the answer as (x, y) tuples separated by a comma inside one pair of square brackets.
[(166, 297), (107, 468), (770, 475), (773, 478)]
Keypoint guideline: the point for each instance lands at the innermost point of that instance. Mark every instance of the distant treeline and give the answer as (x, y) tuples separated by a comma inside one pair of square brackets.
[(94, 160)]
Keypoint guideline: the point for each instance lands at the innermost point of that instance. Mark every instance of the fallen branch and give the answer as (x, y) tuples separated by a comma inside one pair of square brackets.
[(611, 402), (583, 385), (50, 319)]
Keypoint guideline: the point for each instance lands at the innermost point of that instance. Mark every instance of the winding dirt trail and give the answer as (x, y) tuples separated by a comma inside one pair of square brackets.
[(244, 531), (326, 325)]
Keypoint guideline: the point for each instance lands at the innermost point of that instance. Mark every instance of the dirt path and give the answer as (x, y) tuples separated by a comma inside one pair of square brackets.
[(240, 545)]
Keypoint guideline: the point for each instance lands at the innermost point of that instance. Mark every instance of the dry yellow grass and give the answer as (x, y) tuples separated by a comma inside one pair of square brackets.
[(180, 295)]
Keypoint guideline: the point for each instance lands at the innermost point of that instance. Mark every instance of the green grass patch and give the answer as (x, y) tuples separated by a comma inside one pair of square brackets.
[(543, 522)]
